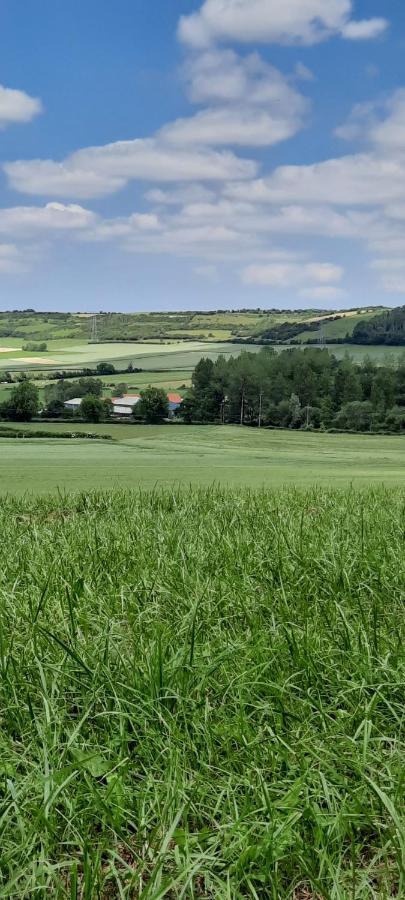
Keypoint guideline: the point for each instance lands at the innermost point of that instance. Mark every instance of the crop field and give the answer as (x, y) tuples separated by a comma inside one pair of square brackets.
[(166, 358), (149, 456), (201, 695), (387, 356), (166, 355)]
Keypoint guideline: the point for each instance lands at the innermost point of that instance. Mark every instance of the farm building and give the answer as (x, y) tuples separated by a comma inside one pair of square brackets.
[(123, 406), (175, 401), (73, 404)]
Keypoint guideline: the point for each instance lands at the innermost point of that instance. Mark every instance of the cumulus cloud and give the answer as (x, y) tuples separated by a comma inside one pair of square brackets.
[(292, 275), (269, 21), (223, 76), (358, 179), (380, 122), (243, 126), (17, 107), (364, 30), (251, 102), (327, 294), (97, 171), (54, 217), (177, 196), (389, 132)]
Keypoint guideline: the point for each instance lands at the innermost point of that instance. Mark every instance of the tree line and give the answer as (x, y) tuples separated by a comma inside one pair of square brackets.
[(387, 328), (300, 389), (24, 403), (308, 389)]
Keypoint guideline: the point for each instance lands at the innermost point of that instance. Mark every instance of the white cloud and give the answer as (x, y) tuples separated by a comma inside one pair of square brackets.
[(137, 223), (247, 127), (380, 122), (393, 283), (359, 179), (359, 122), (327, 293), (389, 133), (17, 107), (251, 102), (96, 171), (389, 264), (54, 217), (287, 220), (188, 193), (292, 275), (272, 21), (222, 76), (364, 30)]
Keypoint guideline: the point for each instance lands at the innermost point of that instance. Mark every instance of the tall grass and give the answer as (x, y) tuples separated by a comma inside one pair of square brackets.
[(201, 695)]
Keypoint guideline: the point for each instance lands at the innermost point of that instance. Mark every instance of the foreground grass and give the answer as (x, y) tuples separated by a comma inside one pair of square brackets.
[(201, 695)]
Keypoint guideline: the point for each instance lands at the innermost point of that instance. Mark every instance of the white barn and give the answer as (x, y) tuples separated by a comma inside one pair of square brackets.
[(123, 406)]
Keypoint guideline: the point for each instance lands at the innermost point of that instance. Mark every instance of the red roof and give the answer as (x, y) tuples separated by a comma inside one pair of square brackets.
[(174, 398)]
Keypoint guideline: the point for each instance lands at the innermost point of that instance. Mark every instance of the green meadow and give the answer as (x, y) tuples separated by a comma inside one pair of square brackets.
[(142, 456), (201, 691)]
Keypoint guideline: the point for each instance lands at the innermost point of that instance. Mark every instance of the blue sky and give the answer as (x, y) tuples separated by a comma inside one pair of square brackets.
[(201, 154)]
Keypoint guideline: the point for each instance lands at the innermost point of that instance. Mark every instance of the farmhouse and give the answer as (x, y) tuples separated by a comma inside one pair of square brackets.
[(73, 404), (123, 406), (174, 402)]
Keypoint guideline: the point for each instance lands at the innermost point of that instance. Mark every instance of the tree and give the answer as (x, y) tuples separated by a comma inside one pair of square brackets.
[(202, 375), (295, 411), (92, 409), (153, 405), (355, 416), (121, 389), (56, 410), (23, 404), (108, 407), (67, 389), (104, 368)]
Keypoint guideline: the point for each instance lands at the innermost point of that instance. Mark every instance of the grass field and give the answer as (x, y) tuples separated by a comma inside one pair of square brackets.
[(149, 456), (165, 355), (169, 365), (201, 695)]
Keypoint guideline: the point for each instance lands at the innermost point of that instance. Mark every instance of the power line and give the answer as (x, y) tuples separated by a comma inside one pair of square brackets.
[(94, 339)]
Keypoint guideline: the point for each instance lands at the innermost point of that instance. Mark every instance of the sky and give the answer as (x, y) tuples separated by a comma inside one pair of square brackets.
[(202, 154)]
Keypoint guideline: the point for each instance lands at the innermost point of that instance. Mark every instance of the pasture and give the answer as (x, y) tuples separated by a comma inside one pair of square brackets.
[(201, 694), (164, 355), (148, 456)]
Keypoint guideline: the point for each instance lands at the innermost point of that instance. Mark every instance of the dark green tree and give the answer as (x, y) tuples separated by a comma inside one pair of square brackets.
[(23, 404), (105, 368), (121, 389), (153, 405), (92, 409)]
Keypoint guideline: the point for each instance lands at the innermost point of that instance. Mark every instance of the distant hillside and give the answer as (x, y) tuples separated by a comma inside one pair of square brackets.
[(239, 326), (387, 328), (210, 325)]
